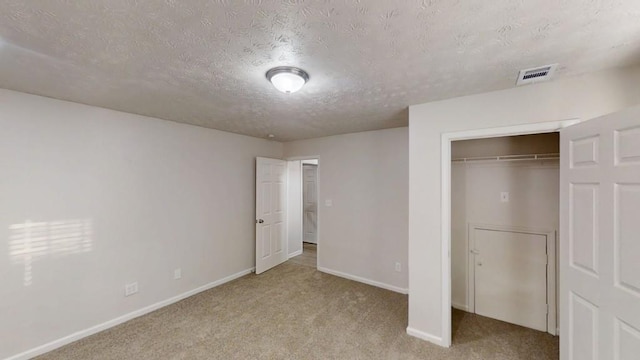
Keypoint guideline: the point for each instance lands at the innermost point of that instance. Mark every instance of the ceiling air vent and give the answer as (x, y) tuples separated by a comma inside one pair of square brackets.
[(534, 75)]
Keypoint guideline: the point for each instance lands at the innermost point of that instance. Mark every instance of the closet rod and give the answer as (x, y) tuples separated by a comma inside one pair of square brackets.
[(554, 156)]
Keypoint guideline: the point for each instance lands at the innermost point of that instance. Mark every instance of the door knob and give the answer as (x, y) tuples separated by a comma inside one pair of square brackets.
[(259, 221)]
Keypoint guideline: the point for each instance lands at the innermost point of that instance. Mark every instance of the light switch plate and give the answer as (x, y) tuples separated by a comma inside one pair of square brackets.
[(328, 202)]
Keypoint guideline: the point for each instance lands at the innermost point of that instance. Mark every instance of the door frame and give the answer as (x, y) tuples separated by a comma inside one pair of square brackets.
[(318, 185), (316, 166), (445, 200), (551, 285)]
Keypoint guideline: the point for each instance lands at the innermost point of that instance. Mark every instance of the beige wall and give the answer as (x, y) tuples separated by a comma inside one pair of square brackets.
[(582, 97), (121, 198), (365, 175)]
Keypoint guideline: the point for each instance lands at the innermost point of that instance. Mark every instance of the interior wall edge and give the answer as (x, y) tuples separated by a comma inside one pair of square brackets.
[(379, 284), (145, 117)]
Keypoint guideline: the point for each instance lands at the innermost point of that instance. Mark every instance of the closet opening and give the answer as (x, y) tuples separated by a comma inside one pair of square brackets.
[(504, 225), (303, 220)]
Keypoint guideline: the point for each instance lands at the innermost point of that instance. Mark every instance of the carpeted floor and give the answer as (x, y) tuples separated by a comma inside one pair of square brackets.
[(308, 257), (296, 312)]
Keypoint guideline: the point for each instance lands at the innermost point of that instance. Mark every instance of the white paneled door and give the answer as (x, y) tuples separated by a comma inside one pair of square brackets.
[(271, 213), (600, 238), (310, 200)]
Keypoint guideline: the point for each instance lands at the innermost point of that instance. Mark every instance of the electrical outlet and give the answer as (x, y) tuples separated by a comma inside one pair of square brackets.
[(504, 196), (398, 266), (177, 274), (130, 289)]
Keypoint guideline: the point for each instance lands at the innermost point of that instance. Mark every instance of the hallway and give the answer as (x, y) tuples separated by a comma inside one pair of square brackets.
[(308, 257)]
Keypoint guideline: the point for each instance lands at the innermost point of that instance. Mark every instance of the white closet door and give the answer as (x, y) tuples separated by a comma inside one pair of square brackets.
[(511, 277), (600, 241)]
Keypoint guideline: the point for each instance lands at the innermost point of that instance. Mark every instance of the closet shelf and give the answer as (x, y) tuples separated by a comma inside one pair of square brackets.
[(510, 158)]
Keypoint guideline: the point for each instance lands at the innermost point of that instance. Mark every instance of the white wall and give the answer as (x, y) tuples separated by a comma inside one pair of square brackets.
[(533, 188), (117, 198), (582, 97), (365, 231), (294, 210)]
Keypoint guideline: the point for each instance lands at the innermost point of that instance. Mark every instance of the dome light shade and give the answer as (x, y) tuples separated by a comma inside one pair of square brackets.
[(287, 79)]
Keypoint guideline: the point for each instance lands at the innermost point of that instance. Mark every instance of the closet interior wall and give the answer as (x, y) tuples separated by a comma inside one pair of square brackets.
[(477, 194)]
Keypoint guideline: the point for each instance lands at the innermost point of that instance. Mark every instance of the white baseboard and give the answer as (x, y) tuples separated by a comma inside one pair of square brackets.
[(295, 253), (460, 307), (363, 280), (124, 318), (427, 337)]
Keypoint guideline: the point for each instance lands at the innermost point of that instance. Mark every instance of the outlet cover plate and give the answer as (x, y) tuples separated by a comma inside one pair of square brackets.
[(130, 289)]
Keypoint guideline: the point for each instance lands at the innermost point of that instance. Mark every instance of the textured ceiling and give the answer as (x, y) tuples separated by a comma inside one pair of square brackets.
[(203, 62)]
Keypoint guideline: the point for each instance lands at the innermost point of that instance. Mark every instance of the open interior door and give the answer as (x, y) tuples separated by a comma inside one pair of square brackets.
[(271, 213), (600, 238)]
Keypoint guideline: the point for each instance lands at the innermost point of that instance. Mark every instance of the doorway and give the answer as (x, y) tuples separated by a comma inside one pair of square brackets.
[(447, 139), (303, 227), (505, 216), (310, 201)]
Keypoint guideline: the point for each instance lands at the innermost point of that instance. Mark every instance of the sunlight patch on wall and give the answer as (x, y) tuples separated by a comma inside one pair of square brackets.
[(32, 241)]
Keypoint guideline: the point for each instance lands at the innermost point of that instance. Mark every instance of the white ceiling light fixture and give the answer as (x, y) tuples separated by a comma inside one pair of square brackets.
[(287, 79)]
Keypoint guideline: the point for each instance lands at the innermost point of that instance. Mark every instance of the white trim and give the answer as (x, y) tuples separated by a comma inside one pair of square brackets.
[(471, 272), (310, 157), (317, 165), (445, 201), (524, 129), (295, 253), (460, 307), (445, 198), (318, 222), (364, 280), (121, 319), (424, 336)]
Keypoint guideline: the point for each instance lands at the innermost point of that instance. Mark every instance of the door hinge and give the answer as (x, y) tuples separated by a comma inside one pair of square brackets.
[(547, 309), (546, 260)]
